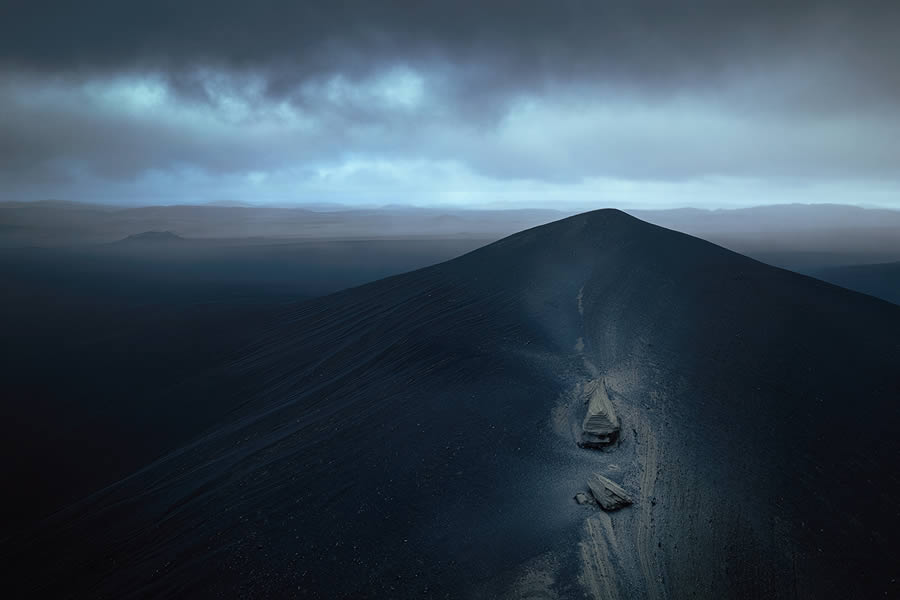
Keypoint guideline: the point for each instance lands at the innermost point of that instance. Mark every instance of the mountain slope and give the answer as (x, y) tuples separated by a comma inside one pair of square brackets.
[(417, 437)]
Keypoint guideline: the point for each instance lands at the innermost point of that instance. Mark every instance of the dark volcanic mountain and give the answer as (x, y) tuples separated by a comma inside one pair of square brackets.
[(418, 437)]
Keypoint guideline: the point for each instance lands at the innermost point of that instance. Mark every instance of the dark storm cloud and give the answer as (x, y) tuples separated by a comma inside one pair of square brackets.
[(493, 47), (374, 93)]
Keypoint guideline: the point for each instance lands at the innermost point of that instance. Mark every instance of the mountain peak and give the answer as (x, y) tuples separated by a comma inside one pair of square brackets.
[(473, 382)]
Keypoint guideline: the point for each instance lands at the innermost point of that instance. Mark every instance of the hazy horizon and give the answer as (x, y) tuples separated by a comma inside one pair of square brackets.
[(335, 206)]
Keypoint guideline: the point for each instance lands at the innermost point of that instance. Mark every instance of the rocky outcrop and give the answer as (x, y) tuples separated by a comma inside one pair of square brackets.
[(582, 498), (610, 496), (601, 426)]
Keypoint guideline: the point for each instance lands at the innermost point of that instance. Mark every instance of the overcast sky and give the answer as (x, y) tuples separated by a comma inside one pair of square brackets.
[(639, 104)]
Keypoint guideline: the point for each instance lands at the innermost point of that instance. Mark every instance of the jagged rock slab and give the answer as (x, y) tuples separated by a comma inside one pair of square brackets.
[(601, 425), (609, 495)]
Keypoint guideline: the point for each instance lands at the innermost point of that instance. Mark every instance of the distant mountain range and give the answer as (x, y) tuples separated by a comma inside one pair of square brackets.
[(810, 239), (860, 235)]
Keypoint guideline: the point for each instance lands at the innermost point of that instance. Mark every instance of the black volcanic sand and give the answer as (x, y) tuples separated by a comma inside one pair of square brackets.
[(99, 340), (413, 437)]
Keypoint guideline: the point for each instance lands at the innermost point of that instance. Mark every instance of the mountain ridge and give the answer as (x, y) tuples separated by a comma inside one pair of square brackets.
[(416, 435)]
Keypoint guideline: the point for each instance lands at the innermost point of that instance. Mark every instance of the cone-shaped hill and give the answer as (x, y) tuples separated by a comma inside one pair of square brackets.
[(419, 437)]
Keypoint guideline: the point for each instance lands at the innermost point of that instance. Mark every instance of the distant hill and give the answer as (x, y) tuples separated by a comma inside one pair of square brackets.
[(153, 237), (777, 217), (803, 238), (800, 237)]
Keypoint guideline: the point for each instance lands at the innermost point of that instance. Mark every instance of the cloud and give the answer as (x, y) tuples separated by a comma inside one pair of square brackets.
[(496, 47), (559, 93)]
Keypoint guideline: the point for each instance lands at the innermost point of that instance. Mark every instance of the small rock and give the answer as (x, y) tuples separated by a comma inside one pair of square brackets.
[(582, 498), (610, 496)]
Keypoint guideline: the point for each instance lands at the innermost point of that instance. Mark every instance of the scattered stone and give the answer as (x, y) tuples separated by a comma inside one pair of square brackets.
[(601, 426), (608, 494), (582, 498)]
